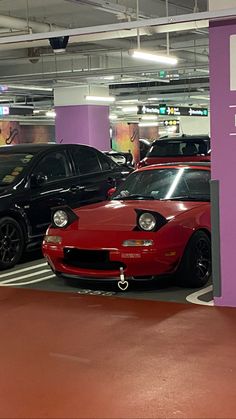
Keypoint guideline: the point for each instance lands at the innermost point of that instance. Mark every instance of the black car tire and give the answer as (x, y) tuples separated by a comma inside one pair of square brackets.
[(195, 266), (11, 242)]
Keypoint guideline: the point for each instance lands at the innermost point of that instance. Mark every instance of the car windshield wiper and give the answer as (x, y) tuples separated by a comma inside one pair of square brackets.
[(188, 198), (133, 196)]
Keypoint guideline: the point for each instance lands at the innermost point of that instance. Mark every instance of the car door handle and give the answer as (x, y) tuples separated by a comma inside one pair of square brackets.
[(75, 189)]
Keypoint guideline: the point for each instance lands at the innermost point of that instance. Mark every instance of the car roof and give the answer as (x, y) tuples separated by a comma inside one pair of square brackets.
[(197, 165), (182, 138), (34, 148)]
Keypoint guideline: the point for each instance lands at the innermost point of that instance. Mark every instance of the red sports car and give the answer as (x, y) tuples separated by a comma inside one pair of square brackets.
[(156, 223)]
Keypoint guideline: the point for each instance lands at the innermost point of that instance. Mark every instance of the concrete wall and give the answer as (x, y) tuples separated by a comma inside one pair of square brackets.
[(194, 125)]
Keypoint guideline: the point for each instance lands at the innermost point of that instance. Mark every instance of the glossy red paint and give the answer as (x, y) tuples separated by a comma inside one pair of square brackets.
[(105, 226), (181, 159)]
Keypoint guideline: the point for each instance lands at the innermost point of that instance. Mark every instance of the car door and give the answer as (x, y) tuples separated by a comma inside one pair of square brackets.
[(113, 173), (90, 179), (56, 168)]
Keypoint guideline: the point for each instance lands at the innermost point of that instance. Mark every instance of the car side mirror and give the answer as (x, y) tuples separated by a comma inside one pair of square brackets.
[(37, 180), (110, 192)]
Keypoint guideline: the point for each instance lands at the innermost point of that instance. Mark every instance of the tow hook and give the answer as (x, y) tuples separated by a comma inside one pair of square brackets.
[(122, 283)]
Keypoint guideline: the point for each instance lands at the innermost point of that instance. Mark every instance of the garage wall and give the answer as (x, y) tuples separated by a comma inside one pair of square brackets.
[(195, 125)]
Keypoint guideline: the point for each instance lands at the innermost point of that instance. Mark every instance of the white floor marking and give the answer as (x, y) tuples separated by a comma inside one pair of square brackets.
[(23, 270), (28, 282), (193, 298), (18, 278)]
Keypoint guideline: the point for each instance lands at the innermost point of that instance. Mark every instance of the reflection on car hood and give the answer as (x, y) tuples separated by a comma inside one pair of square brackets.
[(117, 215)]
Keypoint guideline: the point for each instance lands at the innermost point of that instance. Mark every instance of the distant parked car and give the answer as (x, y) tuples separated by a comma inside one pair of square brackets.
[(121, 158), (144, 147), (185, 148), (36, 178)]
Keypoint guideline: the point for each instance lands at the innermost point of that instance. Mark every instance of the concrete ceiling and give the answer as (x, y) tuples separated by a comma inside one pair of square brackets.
[(27, 66)]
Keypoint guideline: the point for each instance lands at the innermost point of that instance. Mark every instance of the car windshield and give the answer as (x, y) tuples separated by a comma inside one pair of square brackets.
[(182, 183), (175, 148), (12, 165)]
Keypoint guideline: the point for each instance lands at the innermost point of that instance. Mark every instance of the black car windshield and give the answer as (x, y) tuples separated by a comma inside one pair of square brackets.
[(182, 183), (175, 148), (12, 165)]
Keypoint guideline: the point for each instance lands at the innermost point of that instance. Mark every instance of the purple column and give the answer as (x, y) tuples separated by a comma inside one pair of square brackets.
[(83, 124), (223, 133)]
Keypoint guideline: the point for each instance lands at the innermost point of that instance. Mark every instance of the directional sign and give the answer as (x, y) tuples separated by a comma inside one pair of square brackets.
[(165, 110)]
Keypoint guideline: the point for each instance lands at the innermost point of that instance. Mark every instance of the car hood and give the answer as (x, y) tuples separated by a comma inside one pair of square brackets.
[(121, 215)]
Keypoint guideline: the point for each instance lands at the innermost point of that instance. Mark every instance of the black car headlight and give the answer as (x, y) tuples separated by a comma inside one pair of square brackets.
[(62, 217), (147, 221)]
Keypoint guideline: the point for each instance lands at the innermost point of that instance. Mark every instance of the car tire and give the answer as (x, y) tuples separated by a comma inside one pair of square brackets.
[(12, 242), (195, 266)]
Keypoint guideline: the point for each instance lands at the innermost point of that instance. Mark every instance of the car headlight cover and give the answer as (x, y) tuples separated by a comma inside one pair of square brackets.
[(60, 218), (147, 221), (52, 239)]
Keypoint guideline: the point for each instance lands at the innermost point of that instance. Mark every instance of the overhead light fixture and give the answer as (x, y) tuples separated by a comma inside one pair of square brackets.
[(108, 77), (51, 114), (112, 117), (129, 101), (130, 109), (153, 98), (147, 56), (21, 87), (148, 124), (149, 117), (59, 43), (100, 98)]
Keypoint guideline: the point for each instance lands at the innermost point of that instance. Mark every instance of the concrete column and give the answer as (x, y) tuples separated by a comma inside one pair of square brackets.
[(81, 122), (222, 36)]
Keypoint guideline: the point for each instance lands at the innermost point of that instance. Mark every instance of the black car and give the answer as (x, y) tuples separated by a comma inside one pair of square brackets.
[(36, 178)]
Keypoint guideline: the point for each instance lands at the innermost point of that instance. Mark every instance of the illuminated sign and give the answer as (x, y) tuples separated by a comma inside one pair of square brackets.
[(164, 110), (169, 122), (4, 110)]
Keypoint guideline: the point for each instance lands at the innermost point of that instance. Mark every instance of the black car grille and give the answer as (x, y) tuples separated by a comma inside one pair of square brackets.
[(91, 259)]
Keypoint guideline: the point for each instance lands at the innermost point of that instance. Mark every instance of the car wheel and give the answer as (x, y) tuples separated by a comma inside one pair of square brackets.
[(11, 242), (195, 267)]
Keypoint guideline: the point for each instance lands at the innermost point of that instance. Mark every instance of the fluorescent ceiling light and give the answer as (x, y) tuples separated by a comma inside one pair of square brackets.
[(112, 117), (163, 59), (130, 109), (129, 101), (148, 124), (153, 98), (20, 87), (200, 97), (51, 114), (108, 77), (100, 98), (149, 117)]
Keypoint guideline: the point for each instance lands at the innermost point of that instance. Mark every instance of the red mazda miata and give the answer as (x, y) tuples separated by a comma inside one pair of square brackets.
[(155, 223)]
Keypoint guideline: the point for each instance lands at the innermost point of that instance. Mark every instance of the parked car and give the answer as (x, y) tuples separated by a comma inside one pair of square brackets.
[(144, 146), (178, 149), (121, 158), (156, 223), (36, 178)]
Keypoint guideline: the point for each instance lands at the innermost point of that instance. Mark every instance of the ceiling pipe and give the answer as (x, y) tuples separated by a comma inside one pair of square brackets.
[(16, 23)]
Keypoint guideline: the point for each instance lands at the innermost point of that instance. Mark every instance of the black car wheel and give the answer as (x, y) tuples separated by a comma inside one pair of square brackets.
[(195, 267), (11, 242)]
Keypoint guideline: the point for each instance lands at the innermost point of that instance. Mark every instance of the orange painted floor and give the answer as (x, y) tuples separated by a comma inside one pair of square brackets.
[(73, 356)]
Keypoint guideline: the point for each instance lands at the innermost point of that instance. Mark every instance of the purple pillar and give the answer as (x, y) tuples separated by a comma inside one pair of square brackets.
[(223, 133), (83, 124)]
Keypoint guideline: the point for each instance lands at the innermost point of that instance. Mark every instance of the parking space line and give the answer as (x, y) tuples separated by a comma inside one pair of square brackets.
[(193, 298), (23, 270), (8, 281), (28, 282)]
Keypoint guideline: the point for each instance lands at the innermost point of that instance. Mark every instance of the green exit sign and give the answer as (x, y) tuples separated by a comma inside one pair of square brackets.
[(162, 73)]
